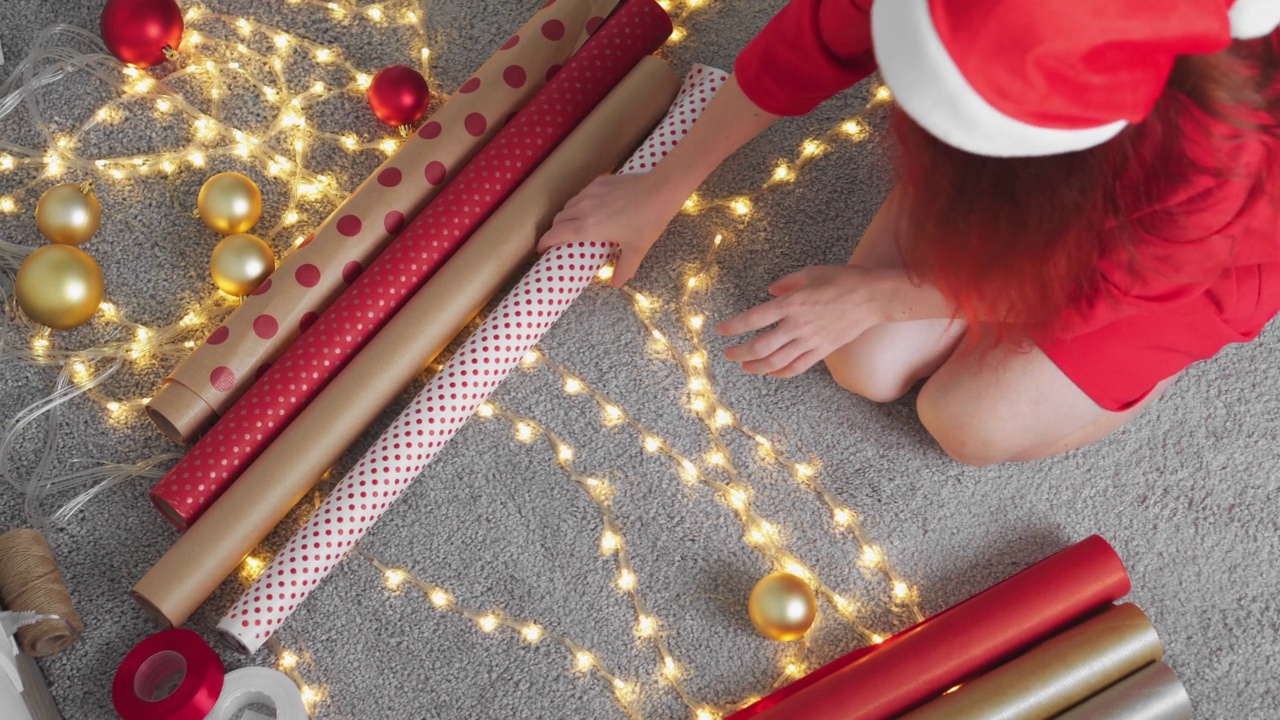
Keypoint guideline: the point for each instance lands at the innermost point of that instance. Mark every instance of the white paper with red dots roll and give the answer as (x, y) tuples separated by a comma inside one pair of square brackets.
[(446, 403)]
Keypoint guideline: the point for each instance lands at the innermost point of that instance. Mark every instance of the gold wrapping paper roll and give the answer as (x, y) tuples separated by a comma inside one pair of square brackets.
[(218, 372), (1057, 673), (211, 549), (1152, 693)]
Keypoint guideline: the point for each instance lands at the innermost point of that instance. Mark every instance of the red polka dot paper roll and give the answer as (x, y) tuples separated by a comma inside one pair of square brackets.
[(636, 29), (214, 376), (451, 397)]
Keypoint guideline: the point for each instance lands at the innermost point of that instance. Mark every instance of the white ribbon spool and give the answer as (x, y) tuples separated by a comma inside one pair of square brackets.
[(259, 686)]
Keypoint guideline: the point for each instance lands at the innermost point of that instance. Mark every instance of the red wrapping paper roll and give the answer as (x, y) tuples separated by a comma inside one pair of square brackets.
[(923, 661), (637, 28)]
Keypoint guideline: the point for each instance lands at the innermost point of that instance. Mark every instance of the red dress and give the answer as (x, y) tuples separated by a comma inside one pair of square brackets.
[(1209, 255)]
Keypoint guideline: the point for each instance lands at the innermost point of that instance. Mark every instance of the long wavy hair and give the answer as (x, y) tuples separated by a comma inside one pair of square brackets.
[(1015, 243)]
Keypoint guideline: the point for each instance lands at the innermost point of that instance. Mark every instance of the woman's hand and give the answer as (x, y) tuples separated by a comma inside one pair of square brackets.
[(814, 311), (630, 211)]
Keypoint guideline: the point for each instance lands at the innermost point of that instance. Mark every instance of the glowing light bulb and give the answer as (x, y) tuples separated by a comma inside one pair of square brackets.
[(652, 444), (782, 173), (323, 55), (677, 34), (737, 498), (363, 80), (524, 433), (395, 578), (716, 458), (900, 589), (854, 129), (530, 358), (692, 204), (877, 639), (163, 105), (388, 146), (742, 206), (439, 598), (698, 405), (374, 12), (719, 239), (812, 148), (626, 580), (612, 414), (669, 668), (282, 40), (8, 205), (723, 417), (7, 162), (196, 158), (287, 660), (531, 634), (573, 386), (485, 410), (487, 623), (606, 273), (695, 360), (309, 695), (696, 321), (883, 94), (871, 555), (565, 453), (609, 542), (841, 517), (705, 714), (584, 660), (113, 407), (645, 626), (290, 218), (697, 384), (253, 566)]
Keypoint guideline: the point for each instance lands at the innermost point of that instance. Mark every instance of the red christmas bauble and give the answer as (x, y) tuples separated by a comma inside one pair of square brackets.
[(138, 31), (399, 95)]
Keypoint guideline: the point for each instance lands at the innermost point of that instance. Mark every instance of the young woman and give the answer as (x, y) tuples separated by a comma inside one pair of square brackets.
[(1085, 206)]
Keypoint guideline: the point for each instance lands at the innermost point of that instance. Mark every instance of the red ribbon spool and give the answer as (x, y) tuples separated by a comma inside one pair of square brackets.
[(172, 675)]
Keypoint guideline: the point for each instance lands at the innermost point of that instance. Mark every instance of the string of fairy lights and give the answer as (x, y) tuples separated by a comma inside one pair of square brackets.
[(223, 54)]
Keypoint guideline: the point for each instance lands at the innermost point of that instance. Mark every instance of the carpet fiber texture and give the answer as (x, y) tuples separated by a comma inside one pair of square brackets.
[(1186, 493)]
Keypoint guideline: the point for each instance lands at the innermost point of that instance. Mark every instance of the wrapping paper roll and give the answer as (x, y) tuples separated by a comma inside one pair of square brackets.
[(1152, 693), (634, 30), (443, 406), (209, 380), (1057, 673), (211, 548), (922, 662)]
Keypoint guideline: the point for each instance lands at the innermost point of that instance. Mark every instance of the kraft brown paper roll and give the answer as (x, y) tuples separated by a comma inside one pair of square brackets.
[(30, 581), (246, 513), (1152, 693), (1057, 673), (218, 372)]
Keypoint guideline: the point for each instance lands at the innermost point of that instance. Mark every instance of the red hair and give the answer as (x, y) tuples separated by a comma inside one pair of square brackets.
[(1015, 243)]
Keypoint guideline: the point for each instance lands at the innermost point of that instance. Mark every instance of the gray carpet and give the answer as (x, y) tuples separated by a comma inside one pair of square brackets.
[(1186, 493)]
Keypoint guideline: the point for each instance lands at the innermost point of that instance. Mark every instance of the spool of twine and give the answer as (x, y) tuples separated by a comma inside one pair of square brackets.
[(30, 581)]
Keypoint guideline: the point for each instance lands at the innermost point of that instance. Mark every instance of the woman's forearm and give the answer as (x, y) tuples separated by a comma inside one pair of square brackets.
[(907, 300), (729, 121)]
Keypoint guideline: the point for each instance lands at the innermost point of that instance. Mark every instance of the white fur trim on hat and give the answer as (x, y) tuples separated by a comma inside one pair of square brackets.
[(930, 88), (1254, 18)]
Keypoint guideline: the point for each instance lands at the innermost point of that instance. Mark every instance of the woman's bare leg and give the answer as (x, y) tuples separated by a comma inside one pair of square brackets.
[(884, 362), (1010, 404)]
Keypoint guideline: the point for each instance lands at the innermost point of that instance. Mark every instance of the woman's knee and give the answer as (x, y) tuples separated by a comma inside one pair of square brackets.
[(965, 432), (871, 377)]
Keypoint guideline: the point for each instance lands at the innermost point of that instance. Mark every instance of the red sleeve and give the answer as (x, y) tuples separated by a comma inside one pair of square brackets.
[(1184, 246), (810, 51)]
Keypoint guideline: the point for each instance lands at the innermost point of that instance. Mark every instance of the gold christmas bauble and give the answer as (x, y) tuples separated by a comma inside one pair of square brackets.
[(59, 286), (782, 607), (68, 214), (229, 203), (240, 263)]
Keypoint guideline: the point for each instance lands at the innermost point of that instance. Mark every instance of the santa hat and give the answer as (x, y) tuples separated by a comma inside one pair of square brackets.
[(1024, 78)]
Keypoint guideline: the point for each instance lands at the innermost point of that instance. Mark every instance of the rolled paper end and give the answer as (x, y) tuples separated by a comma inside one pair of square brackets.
[(180, 413), (47, 638), (226, 631), (153, 610), (169, 512)]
